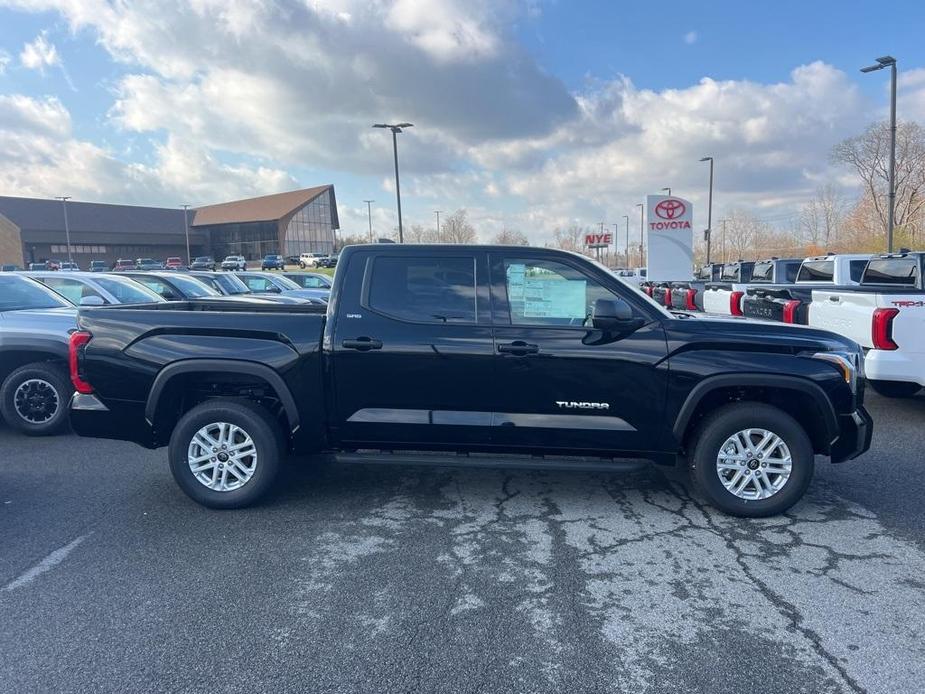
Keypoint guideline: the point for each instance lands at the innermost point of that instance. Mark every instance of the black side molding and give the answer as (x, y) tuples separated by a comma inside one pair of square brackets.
[(237, 366), (767, 380)]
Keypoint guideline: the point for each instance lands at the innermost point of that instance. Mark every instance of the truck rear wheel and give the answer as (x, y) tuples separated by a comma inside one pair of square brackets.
[(226, 453), (34, 398), (752, 459), (895, 389)]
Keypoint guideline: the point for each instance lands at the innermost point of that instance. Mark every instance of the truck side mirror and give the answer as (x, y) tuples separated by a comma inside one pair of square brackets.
[(612, 315)]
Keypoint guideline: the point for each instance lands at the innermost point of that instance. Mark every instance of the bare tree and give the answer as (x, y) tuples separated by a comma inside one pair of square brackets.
[(418, 233), (458, 229), (869, 155), (511, 237), (350, 240), (822, 217), (571, 239)]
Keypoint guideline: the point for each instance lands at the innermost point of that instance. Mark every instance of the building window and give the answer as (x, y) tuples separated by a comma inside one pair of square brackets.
[(311, 229)]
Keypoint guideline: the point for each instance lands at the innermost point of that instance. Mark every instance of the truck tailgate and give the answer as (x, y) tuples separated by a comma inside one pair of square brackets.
[(848, 313)]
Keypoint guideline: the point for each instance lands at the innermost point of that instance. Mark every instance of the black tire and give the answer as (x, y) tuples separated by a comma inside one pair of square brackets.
[(722, 424), (264, 431), (895, 389), (39, 408)]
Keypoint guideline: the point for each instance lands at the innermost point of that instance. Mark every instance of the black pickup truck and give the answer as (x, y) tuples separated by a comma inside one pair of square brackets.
[(768, 293), (452, 354)]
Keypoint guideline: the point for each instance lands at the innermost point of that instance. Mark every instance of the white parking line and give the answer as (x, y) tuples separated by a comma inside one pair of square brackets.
[(47, 564)]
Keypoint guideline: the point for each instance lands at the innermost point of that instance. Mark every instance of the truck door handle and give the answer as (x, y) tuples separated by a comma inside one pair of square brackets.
[(836, 299), (518, 348), (363, 344)]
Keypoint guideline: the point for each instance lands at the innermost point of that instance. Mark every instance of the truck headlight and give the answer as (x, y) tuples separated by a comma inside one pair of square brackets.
[(850, 364)]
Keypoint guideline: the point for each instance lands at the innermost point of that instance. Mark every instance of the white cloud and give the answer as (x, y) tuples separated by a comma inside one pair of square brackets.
[(690, 37), (42, 157), (39, 54), (4, 61)]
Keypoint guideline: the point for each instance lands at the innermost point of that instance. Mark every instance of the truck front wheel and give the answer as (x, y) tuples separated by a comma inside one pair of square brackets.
[(751, 459), (226, 453)]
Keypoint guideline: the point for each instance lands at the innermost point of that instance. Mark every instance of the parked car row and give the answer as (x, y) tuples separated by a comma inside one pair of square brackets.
[(38, 312), (877, 301)]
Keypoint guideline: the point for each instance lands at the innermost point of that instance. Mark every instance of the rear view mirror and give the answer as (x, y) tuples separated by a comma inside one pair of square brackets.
[(91, 300), (613, 315)]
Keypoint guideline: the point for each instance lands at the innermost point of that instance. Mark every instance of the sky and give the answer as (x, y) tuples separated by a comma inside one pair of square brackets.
[(530, 114)]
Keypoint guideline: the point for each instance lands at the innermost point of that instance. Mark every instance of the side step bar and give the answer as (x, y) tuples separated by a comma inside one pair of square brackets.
[(488, 460)]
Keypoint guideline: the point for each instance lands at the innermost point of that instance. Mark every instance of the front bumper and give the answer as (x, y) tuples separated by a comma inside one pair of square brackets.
[(855, 432)]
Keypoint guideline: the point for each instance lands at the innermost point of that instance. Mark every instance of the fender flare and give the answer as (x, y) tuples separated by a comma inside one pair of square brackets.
[(778, 381), (236, 366)]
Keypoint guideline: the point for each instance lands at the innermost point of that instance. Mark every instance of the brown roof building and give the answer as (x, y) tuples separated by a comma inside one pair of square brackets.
[(298, 221)]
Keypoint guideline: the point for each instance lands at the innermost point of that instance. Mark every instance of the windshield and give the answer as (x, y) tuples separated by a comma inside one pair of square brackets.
[(127, 291), (901, 271), (231, 284), (631, 287), (192, 287), (202, 259), (19, 294), (284, 282), (816, 271), (763, 272)]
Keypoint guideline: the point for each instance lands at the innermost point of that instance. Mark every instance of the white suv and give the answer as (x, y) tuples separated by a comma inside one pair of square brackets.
[(308, 260)]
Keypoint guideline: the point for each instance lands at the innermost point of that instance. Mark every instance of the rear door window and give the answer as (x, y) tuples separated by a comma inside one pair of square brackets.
[(899, 271), (424, 289), (730, 273), (817, 271)]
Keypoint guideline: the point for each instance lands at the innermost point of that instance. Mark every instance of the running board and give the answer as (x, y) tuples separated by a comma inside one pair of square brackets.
[(487, 460)]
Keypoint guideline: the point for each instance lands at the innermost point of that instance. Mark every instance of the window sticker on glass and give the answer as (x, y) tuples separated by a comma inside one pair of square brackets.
[(536, 292)]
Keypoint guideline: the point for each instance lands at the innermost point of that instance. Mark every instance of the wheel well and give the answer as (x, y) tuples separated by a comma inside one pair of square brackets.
[(799, 404), (13, 359), (186, 390)]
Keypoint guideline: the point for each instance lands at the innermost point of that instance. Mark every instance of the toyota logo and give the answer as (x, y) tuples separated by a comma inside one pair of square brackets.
[(670, 209)]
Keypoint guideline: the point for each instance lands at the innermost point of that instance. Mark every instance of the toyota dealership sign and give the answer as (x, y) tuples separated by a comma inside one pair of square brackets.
[(670, 232)]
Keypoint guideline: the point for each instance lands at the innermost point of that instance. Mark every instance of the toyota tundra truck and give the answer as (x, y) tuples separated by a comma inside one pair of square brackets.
[(789, 302), (885, 314), (469, 355)]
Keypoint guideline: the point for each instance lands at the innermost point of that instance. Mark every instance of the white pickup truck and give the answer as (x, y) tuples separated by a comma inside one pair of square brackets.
[(885, 314), (725, 296), (789, 302)]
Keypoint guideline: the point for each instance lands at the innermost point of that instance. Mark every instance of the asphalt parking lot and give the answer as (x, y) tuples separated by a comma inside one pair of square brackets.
[(370, 579)]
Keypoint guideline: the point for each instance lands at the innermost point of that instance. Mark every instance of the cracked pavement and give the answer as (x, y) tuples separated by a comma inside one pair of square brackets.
[(371, 579)]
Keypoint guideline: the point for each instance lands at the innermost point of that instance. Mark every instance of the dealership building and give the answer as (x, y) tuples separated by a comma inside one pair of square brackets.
[(298, 221)]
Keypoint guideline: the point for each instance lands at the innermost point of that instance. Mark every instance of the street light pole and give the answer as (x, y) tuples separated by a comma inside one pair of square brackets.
[(189, 257), (369, 216), (397, 128), (668, 190), (616, 233), (626, 218), (709, 209), (890, 62), (437, 212), (642, 258), (67, 229)]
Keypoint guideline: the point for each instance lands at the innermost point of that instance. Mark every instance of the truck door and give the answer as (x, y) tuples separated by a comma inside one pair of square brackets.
[(560, 383), (412, 349)]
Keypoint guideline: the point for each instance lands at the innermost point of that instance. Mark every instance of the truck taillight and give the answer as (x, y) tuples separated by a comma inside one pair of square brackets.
[(790, 311), (78, 341), (689, 297), (735, 303), (882, 328), (649, 291), (668, 298)]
